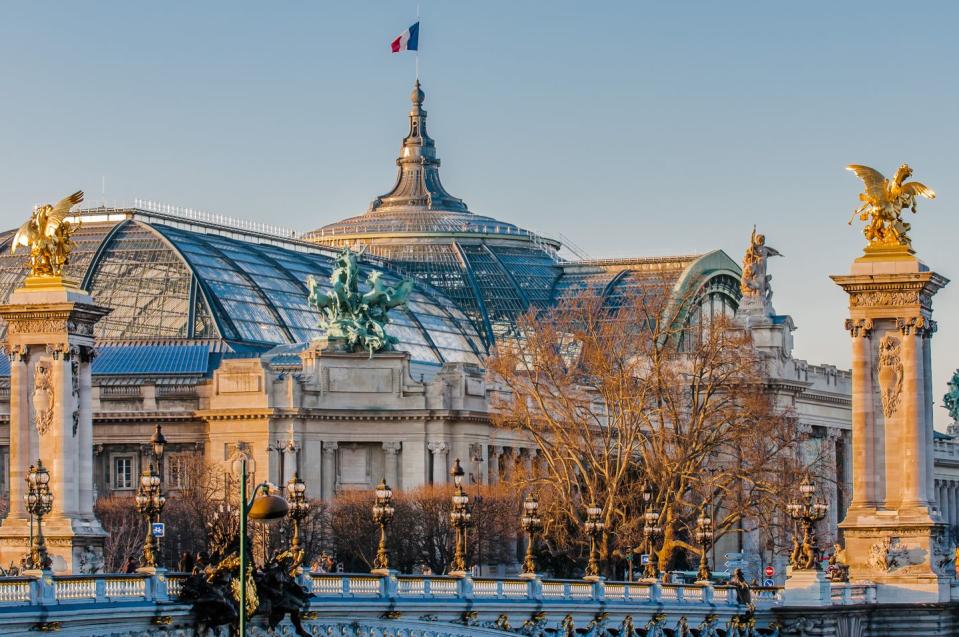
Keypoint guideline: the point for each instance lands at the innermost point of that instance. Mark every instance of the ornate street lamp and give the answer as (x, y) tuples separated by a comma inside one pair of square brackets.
[(383, 512), (805, 555), (461, 517), (532, 524), (39, 501), (299, 507), (158, 443), (594, 526), (704, 536), (149, 501), (266, 508), (650, 531)]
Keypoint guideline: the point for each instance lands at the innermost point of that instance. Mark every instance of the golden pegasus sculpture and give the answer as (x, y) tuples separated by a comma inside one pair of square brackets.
[(48, 235), (883, 203)]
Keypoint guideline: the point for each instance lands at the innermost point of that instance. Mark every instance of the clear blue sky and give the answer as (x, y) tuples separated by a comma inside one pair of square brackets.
[(632, 128)]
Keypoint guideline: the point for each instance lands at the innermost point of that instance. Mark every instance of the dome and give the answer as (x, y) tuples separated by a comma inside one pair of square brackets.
[(493, 270), (168, 278)]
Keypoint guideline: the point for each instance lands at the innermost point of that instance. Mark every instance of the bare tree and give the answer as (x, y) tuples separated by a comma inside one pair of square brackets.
[(648, 389)]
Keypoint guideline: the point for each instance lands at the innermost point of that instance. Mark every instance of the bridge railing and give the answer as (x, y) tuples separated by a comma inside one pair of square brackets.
[(48, 589)]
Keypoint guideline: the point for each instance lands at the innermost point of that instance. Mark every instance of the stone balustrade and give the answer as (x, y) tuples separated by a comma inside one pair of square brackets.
[(466, 602)]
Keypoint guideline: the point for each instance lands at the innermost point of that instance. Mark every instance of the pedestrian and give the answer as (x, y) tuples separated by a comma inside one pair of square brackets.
[(743, 594), (131, 566), (186, 563)]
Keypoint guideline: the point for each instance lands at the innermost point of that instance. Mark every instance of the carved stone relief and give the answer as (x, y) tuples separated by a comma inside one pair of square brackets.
[(890, 374), (876, 298), (43, 398)]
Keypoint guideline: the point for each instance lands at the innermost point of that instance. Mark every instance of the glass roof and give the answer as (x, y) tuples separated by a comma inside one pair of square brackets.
[(167, 282)]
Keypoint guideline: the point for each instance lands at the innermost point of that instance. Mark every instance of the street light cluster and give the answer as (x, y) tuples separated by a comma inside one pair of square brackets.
[(808, 511), (39, 501)]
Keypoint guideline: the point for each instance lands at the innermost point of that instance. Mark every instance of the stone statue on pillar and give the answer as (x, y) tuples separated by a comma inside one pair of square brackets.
[(755, 283), (50, 344), (894, 535)]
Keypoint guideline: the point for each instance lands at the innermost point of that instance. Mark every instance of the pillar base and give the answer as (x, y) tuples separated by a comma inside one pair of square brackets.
[(593, 578), (905, 553), (75, 546), (458, 573), (807, 588)]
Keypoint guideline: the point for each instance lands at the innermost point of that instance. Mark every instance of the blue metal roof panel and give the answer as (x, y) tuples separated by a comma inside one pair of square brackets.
[(116, 360)]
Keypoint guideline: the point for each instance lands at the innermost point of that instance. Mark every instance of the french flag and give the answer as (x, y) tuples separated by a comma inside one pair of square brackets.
[(408, 40)]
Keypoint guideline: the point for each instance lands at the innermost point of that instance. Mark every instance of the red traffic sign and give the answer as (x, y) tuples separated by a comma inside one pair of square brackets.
[(769, 571)]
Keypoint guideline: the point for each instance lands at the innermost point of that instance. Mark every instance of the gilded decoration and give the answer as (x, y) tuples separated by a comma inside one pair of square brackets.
[(890, 374), (48, 236), (43, 397), (883, 203), (755, 282)]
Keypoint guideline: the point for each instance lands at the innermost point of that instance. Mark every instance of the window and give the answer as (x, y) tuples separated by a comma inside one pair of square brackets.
[(123, 472), (176, 467)]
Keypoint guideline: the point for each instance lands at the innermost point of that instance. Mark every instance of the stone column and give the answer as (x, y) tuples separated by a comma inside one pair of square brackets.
[(21, 448), (864, 486), (440, 450), (509, 463), (493, 473), (832, 488), (891, 536), (526, 456), (912, 439), (49, 337), (289, 452), (84, 364), (328, 488), (391, 463)]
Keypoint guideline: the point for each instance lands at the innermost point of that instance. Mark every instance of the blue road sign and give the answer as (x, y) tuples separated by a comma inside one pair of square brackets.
[(644, 559), (158, 529), (769, 582)]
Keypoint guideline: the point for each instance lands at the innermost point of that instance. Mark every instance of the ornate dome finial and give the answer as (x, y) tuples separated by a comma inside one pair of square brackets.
[(417, 96), (418, 184)]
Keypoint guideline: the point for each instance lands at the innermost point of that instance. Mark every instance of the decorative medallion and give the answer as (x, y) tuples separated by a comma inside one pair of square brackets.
[(890, 374), (43, 396)]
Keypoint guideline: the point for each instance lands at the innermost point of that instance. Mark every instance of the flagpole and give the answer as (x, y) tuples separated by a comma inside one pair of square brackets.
[(417, 44)]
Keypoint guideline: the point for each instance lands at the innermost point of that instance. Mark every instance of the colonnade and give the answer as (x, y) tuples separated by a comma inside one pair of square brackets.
[(947, 501)]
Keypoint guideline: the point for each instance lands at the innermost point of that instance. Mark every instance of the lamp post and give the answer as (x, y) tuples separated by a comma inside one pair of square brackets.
[(158, 444), (266, 508), (39, 501), (149, 501), (460, 517), (299, 506), (650, 531), (594, 526), (532, 524), (383, 512), (805, 555), (704, 536)]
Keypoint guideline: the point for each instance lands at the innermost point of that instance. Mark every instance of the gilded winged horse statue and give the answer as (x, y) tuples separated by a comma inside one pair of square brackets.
[(883, 203), (47, 233)]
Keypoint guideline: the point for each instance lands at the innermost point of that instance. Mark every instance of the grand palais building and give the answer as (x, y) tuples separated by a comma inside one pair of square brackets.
[(210, 329)]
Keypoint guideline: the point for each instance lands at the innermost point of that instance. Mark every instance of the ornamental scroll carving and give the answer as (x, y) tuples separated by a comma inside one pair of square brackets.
[(883, 298), (890, 374), (859, 327), (43, 398)]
